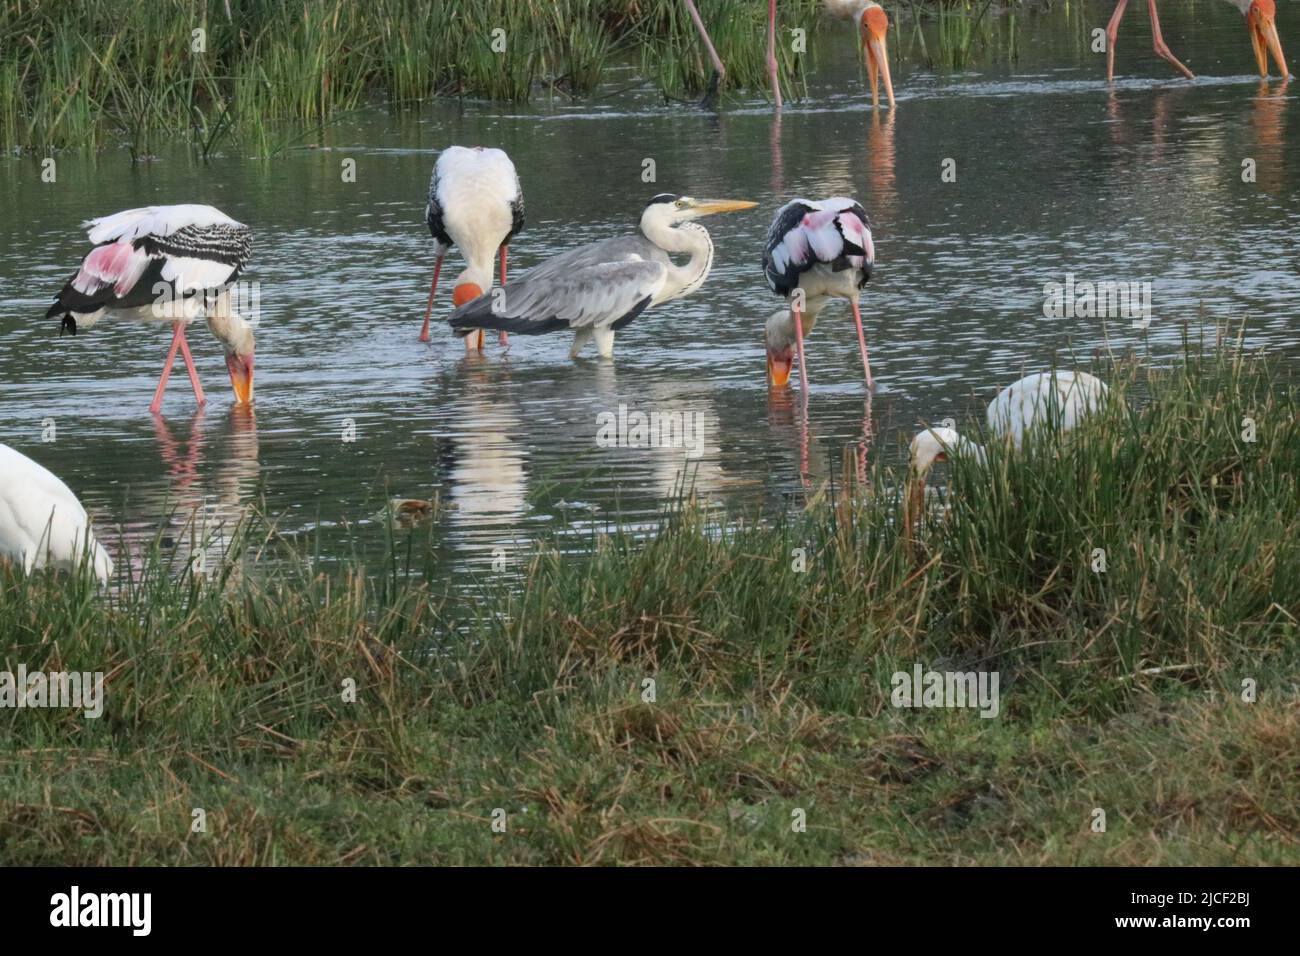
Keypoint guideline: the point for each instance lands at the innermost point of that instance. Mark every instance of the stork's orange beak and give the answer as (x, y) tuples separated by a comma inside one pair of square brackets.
[(875, 26), (241, 377), (778, 367), (1260, 21)]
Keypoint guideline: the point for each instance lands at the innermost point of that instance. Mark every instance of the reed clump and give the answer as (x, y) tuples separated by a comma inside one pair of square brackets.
[(83, 73), (678, 699)]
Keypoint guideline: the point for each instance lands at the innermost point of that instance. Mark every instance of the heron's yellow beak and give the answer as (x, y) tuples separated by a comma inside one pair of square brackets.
[(707, 207), (1263, 36), (875, 26)]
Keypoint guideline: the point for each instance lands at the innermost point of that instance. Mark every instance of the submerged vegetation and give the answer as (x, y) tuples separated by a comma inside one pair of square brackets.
[(87, 73), (691, 697)]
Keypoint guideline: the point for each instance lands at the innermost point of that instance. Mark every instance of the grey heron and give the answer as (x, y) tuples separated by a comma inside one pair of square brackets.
[(597, 289), (816, 250), (166, 263), (477, 205), (872, 21), (1260, 21)]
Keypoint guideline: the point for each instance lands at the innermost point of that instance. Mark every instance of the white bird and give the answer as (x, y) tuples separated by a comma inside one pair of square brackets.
[(477, 205), (41, 522), (1260, 22), (872, 22), (816, 251), (598, 288), (1042, 400), (166, 264)]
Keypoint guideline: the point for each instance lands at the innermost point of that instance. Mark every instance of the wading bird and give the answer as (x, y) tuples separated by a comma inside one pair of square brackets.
[(1044, 399), (816, 251), (41, 522), (477, 205), (1260, 16), (166, 264), (598, 288), (872, 22)]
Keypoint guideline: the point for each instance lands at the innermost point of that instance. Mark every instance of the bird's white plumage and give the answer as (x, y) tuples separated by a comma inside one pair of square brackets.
[(476, 189), (132, 224), (41, 521), (1057, 399)]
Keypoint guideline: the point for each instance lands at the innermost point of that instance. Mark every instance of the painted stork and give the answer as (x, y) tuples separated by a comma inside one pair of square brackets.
[(598, 288), (1260, 16), (477, 205), (166, 263), (1045, 399), (42, 524), (816, 251), (873, 24)]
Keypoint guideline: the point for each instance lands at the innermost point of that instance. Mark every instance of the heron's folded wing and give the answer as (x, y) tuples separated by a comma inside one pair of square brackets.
[(597, 295)]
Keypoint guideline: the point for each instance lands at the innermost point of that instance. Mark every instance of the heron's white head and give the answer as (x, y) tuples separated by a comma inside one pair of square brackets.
[(667, 210), (779, 338), (1260, 21), (875, 26)]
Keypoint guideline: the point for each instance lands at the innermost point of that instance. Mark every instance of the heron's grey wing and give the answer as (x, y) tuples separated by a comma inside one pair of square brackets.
[(598, 295)]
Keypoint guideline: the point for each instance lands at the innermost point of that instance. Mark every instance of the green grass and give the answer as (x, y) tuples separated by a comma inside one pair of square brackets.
[(1120, 691), (83, 73)]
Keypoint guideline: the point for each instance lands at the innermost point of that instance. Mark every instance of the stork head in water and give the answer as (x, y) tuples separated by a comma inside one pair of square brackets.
[(1260, 21)]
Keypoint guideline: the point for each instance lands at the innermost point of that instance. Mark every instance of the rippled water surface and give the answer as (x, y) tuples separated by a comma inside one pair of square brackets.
[(1055, 174)]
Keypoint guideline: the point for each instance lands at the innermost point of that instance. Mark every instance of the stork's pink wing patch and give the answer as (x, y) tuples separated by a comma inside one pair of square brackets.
[(116, 263), (856, 232)]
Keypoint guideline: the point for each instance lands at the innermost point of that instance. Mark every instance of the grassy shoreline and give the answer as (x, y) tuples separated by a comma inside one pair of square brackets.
[(84, 74), (1120, 691)]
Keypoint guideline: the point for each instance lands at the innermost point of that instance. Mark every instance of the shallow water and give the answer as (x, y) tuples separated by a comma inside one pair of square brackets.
[(1055, 174)]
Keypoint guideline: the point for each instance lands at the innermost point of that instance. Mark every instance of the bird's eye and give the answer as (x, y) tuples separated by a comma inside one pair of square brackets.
[(681, 204)]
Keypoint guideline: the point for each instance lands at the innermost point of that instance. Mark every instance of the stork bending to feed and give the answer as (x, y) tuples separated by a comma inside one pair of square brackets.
[(1044, 399), (873, 23), (477, 205), (597, 289), (41, 522), (1260, 22), (166, 263), (816, 251)]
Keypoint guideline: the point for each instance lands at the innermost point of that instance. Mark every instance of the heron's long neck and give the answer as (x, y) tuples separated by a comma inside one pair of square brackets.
[(689, 237), (233, 331)]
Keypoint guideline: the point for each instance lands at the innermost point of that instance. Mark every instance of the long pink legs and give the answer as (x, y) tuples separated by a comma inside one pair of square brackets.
[(428, 310), (1157, 40), (772, 75), (862, 344), (503, 338), (720, 71), (178, 343)]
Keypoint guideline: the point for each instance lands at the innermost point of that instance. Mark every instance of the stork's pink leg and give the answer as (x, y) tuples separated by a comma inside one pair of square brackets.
[(156, 406), (798, 336), (772, 72), (428, 309), (862, 344), (504, 339), (1112, 35), (1158, 41), (719, 71), (189, 366)]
